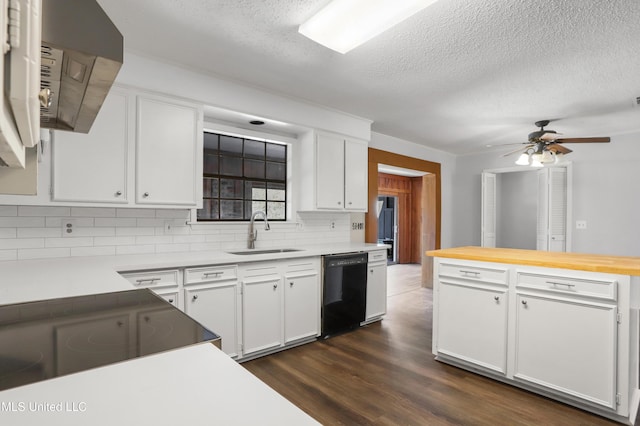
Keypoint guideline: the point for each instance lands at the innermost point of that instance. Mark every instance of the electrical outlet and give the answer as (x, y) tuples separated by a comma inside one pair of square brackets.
[(581, 224), (333, 224), (68, 226)]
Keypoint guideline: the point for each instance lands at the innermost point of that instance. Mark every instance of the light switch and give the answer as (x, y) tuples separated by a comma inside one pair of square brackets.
[(581, 224)]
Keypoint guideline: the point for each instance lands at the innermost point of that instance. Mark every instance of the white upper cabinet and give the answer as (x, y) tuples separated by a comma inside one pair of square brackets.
[(333, 173), (168, 152), (156, 139), (93, 167)]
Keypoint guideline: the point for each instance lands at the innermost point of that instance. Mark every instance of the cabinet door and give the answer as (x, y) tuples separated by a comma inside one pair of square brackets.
[(301, 307), (329, 172), (356, 175), (568, 346), (93, 167), (261, 315), (215, 308), (376, 291), (472, 325), (168, 152)]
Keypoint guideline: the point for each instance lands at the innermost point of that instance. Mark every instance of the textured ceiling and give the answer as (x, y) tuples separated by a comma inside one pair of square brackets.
[(457, 76)]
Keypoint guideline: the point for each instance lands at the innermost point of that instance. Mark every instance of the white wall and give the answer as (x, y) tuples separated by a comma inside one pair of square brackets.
[(447, 171), (606, 193)]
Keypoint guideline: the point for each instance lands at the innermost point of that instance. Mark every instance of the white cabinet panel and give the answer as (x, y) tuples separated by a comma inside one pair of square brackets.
[(376, 290), (330, 172), (93, 167), (568, 346), (215, 308), (301, 307), (356, 163), (167, 145), (262, 314), (472, 325)]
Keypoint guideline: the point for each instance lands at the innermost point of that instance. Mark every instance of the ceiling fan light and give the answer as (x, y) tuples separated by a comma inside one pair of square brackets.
[(560, 158), (547, 157), (535, 160), (524, 159), (345, 24)]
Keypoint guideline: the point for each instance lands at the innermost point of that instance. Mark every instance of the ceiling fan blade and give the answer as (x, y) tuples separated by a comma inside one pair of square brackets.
[(517, 150), (558, 149), (550, 136), (583, 140)]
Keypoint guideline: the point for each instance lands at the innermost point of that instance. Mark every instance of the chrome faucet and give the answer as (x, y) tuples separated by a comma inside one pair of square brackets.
[(253, 234)]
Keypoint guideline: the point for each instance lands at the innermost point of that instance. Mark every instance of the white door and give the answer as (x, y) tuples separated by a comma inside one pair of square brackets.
[(376, 291), (568, 346), (356, 175), (472, 325), (168, 146), (552, 209), (93, 167), (261, 315), (215, 308), (301, 307), (488, 212), (329, 172)]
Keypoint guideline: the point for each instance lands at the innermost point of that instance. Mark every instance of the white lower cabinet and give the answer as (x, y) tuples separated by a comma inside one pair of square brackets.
[(568, 346), (376, 286), (472, 325), (280, 304), (262, 314), (301, 306), (567, 334), (211, 297)]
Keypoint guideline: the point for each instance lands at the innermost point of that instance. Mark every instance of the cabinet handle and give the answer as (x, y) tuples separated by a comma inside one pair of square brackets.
[(524, 302), (215, 274), (467, 273), (195, 297), (146, 194), (118, 193), (147, 280), (557, 283)]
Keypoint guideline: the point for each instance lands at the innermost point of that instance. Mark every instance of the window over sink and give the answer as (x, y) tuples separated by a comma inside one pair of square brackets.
[(242, 175)]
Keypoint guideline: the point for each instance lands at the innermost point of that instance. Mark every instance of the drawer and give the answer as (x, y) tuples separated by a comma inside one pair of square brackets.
[(210, 274), (151, 279), (378, 256), (475, 273), (581, 286)]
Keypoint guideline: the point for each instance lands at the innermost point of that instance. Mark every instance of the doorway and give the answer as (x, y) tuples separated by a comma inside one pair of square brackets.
[(388, 226)]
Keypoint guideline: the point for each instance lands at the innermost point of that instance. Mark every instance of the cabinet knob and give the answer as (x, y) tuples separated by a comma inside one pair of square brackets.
[(496, 298), (371, 270), (170, 300), (524, 302), (350, 203), (275, 286), (195, 297), (146, 194), (290, 284), (339, 203), (118, 193)]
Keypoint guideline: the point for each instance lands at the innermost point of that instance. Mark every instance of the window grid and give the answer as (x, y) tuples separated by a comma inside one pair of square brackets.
[(241, 176)]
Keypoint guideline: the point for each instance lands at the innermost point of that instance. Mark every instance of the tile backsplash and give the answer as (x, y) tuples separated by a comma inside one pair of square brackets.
[(28, 232)]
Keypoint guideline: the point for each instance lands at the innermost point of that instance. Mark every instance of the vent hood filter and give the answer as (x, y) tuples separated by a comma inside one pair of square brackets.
[(81, 55)]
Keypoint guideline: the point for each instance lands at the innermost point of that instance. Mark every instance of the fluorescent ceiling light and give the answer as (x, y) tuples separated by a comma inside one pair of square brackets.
[(345, 24)]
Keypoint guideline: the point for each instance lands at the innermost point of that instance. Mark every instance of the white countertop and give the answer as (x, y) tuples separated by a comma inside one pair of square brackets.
[(197, 385), (29, 280)]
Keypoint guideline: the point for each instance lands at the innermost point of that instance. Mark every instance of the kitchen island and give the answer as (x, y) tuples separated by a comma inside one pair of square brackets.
[(564, 325)]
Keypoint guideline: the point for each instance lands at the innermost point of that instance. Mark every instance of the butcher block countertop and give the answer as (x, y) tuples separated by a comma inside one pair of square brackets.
[(625, 265)]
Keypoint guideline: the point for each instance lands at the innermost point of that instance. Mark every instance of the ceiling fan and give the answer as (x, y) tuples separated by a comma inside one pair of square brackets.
[(544, 146)]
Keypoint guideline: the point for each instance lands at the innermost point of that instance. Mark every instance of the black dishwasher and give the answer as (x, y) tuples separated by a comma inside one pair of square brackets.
[(344, 292)]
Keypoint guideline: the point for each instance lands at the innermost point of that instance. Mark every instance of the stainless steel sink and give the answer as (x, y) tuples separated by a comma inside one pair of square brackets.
[(266, 251)]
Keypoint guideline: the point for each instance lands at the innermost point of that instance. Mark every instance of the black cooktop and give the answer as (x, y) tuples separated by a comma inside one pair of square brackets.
[(50, 338)]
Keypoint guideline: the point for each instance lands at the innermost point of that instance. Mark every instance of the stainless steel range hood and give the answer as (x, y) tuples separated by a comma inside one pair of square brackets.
[(81, 55)]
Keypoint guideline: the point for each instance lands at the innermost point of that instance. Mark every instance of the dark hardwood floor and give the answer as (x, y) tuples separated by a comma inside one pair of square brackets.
[(385, 374)]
